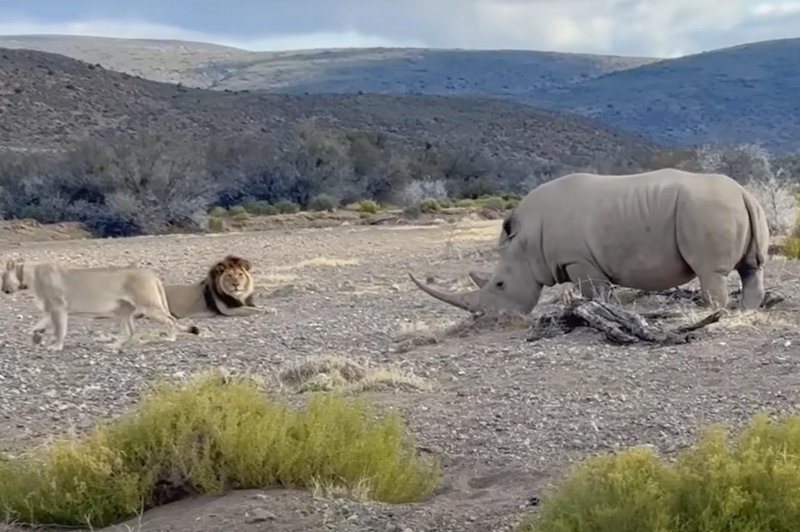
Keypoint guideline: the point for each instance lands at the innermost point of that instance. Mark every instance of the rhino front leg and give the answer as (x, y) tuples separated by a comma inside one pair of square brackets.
[(592, 283), (752, 286)]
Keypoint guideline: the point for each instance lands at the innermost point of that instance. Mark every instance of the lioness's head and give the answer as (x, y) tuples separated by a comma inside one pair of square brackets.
[(13, 278), (232, 276)]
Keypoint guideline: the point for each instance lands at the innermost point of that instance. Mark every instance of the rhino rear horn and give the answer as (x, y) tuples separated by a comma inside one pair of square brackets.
[(479, 279), (467, 301)]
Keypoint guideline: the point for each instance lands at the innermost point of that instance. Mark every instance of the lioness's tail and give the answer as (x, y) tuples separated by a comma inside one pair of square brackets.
[(759, 229)]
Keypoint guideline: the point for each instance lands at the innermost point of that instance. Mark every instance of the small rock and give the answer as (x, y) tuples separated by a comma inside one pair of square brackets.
[(259, 515)]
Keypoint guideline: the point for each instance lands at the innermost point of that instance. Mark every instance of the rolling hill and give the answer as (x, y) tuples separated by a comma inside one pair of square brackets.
[(514, 74), (747, 93), (735, 95), (50, 101)]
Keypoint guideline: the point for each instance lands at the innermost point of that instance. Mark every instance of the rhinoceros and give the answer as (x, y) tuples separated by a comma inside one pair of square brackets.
[(650, 231)]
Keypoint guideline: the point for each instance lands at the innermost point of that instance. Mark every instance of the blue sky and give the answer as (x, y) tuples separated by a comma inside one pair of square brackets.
[(663, 28)]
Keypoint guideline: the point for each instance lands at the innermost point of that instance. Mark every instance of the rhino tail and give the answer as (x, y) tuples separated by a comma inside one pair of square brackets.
[(759, 229)]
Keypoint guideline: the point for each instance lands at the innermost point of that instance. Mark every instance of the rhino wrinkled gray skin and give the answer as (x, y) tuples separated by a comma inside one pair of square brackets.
[(649, 231)]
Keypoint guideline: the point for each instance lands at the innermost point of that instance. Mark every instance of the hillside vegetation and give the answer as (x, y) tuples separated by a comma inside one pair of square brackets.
[(129, 155), (376, 70)]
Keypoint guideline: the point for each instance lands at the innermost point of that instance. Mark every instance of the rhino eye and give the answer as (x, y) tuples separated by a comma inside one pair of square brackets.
[(500, 284)]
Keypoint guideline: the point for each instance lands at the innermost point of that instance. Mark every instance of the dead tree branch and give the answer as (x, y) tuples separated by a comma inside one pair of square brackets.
[(620, 326)]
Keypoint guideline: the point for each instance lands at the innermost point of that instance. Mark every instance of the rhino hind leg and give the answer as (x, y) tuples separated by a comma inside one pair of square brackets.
[(752, 286), (714, 287)]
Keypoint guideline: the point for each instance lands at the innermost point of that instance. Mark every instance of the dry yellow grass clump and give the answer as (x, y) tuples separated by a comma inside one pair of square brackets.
[(211, 435), (339, 373)]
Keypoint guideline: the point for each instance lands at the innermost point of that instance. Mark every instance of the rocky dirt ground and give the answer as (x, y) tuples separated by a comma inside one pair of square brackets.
[(506, 416)]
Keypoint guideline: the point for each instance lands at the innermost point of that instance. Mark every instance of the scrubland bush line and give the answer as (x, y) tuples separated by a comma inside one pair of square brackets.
[(209, 436)]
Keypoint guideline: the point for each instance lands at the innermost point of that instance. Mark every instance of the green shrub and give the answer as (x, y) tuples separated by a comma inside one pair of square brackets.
[(752, 485), (495, 203), (287, 207), (218, 212), (512, 203), (368, 206), (209, 436), (260, 208), (445, 203), (466, 203), (429, 205), (241, 216), (237, 210), (322, 202), (791, 247), (216, 225)]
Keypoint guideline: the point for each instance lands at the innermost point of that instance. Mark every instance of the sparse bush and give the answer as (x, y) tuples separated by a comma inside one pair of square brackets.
[(752, 166), (751, 485), (429, 205), (241, 216), (323, 202), (287, 207), (418, 190), (776, 196), (237, 210), (213, 435), (494, 203), (368, 206), (260, 208), (216, 225), (511, 203), (466, 203), (791, 247), (218, 212)]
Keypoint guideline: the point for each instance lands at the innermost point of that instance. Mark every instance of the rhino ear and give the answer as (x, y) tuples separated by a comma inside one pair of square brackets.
[(509, 230)]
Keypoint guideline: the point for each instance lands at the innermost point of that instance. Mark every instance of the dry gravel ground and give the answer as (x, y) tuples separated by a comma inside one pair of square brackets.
[(507, 416)]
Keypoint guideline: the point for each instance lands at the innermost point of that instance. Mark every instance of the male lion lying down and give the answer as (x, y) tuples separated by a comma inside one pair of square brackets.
[(227, 290), (120, 293)]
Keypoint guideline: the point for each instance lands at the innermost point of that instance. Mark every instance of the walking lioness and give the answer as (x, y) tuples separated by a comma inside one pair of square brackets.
[(120, 293)]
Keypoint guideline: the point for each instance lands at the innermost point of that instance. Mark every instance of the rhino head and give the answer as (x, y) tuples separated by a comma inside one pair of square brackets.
[(511, 287)]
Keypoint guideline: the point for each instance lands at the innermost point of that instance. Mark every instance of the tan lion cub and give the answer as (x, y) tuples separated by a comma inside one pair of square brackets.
[(92, 292)]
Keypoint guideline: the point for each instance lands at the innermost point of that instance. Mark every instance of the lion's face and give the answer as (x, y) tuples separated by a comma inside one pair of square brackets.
[(234, 281), (232, 276)]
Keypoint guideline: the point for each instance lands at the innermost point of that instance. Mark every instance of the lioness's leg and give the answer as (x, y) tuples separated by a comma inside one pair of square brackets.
[(40, 328), (752, 286), (125, 316), (159, 315), (58, 316)]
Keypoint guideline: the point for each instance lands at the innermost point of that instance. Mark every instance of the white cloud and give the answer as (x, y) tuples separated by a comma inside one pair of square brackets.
[(776, 9)]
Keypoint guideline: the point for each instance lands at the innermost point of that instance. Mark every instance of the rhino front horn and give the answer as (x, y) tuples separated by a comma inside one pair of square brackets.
[(467, 301)]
